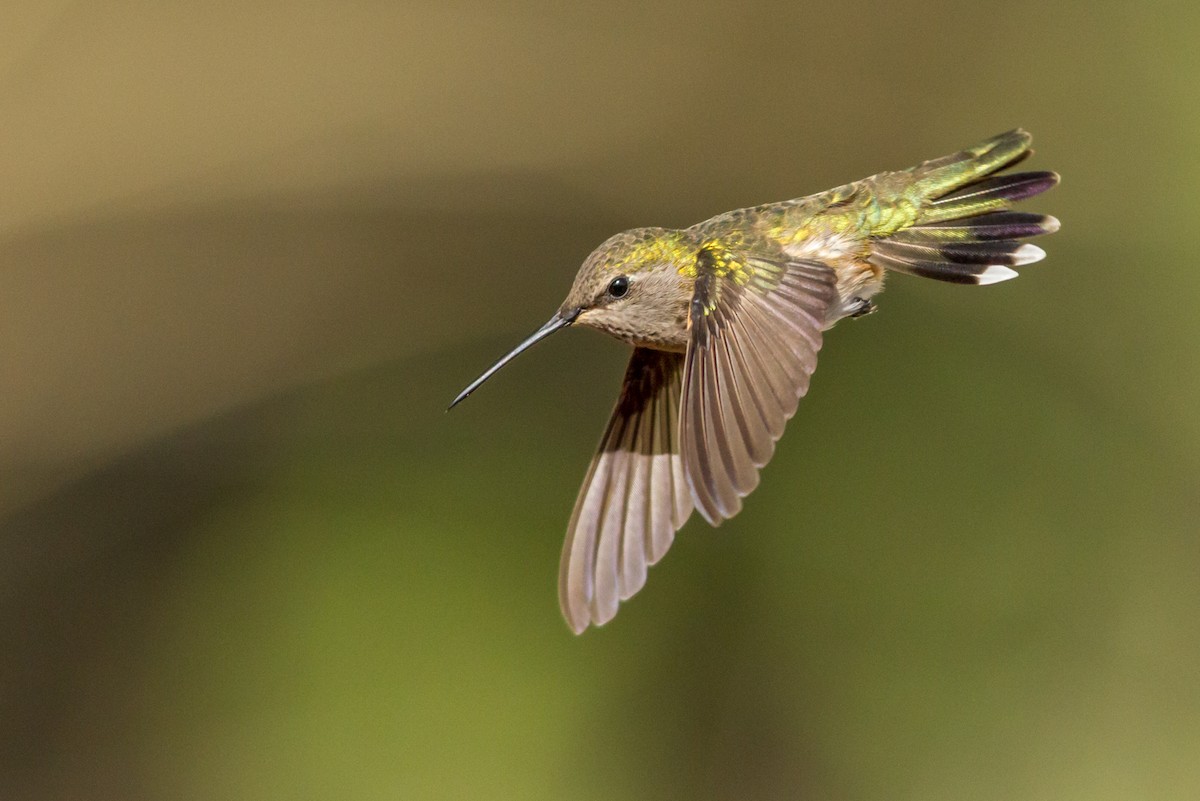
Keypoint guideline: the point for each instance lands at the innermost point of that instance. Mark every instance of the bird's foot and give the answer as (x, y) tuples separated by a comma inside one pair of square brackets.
[(863, 307)]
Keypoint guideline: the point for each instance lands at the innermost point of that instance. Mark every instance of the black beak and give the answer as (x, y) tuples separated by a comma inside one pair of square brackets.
[(555, 323)]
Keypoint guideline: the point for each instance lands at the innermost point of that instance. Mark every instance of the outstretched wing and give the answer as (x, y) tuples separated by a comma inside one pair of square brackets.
[(755, 333), (634, 498)]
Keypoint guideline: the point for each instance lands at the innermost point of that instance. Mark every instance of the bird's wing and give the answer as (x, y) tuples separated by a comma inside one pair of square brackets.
[(634, 498), (755, 330)]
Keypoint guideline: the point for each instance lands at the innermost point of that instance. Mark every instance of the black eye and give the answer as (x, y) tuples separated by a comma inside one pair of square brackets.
[(618, 287)]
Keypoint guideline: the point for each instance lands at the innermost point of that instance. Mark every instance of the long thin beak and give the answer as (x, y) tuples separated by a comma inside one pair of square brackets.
[(555, 323)]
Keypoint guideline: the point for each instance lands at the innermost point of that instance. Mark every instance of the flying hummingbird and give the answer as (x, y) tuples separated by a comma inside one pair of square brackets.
[(726, 319)]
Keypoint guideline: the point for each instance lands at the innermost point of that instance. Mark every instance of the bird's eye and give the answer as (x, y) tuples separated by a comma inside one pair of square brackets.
[(618, 287)]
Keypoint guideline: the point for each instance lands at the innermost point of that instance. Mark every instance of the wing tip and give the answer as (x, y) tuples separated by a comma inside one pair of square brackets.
[(577, 627)]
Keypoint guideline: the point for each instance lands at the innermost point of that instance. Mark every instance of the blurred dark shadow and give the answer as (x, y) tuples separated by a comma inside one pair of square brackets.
[(150, 380), (131, 326), (83, 577)]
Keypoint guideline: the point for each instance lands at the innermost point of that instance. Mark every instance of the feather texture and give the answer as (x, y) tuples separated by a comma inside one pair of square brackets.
[(755, 335), (634, 498), (964, 231)]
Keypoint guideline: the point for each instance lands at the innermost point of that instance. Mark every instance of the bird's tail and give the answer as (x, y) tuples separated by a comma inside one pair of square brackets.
[(965, 231)]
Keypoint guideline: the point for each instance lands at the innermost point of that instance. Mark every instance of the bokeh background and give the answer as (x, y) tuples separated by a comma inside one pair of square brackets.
[(248, 252)]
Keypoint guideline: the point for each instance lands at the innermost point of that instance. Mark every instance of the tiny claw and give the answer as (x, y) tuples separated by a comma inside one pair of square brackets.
[(865, 307)]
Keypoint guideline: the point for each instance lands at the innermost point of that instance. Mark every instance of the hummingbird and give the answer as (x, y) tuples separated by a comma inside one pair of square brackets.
[(726, 319)]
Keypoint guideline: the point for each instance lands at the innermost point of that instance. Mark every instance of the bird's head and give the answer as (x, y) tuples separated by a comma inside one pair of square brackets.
[(635, 287)]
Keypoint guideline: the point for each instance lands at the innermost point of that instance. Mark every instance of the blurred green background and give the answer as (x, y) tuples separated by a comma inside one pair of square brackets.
[(248, 252)]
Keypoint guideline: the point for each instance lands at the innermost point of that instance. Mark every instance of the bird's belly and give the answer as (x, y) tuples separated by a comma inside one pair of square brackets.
[(857, 281)]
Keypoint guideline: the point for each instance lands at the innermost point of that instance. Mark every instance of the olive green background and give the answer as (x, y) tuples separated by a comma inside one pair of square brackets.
[(248, 252)]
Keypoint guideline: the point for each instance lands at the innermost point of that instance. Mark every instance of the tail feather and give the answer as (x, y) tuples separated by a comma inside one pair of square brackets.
[(942, 176), (997, 225), (1008, 251), (964, 231), (987, 195), (952, 272)]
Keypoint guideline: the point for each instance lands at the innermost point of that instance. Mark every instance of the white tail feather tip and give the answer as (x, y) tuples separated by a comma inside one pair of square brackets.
[(1028, 254), (997, 273)]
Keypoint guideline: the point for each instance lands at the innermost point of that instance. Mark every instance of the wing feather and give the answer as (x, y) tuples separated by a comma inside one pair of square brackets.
[(633, 499), (755, 335)]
